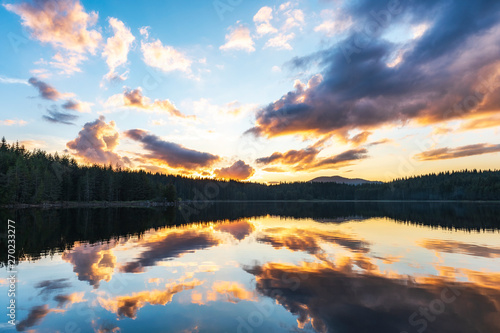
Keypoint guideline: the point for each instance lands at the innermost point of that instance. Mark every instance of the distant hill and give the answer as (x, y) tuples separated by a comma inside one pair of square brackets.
[(342, 180)]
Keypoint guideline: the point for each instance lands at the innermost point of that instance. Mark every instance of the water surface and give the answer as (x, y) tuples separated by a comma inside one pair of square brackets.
[(300, 267)]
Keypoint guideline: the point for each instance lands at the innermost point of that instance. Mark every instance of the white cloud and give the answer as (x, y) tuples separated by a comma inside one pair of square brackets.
[(164, 57), (9, 80), (295, 18), (263, 21), (117, 47), (239, 39), (334, 22), (281, 41)]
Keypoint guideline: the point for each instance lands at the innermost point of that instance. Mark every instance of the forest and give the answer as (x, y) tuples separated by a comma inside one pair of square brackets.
[(35, 177)]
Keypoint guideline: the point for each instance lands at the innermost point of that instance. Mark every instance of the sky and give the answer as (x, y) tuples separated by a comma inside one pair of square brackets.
[(264, 91)]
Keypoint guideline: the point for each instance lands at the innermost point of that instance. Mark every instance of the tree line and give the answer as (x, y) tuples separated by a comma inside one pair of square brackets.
[(33, 177)]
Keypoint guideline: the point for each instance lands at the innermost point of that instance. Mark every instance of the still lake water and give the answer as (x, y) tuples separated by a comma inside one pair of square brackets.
[(258, 267)]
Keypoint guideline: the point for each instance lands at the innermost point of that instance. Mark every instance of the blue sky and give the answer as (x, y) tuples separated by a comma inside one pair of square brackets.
[(258, 90)]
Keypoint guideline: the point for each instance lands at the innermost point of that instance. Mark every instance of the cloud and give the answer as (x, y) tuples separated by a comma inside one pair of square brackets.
[(343, 159), (171, 245), (64, 25), (46, 91), (49, 286), (449, 153), (165, 58), (238, 229), (35, 316), (263, 21), (77, 105), (291, 157), (117, 47), (12, 122), (92, 263), (58, 117), (281, 41), (239, 170), (486, 122), (334, 22), (460, 247), (69, 299), (360, 138), (328, 296), (310, 240), (295, 18), (96, 143), (134, 98), (172, 154), (238, 39), (127, 306), (359, 90), (9, 80), (306, 159)]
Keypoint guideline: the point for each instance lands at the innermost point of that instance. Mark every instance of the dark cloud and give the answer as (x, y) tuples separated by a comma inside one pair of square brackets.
[(460, 247), (173, 154), (76, 106), (379, 142), (171, 246), (303, 156), (448, 153), (344, 158), (46, 90), (310, 240), (96, 143), (449, 72), (35, 316), (239, 170), (48, 286), (58, 117), (332, 298), (306, 159)]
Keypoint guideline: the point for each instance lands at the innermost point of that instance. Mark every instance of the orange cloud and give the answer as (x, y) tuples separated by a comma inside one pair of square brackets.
[(239, 229), (68, 300), (239, 171), (464, 151), (96, 143), (11, 122), (127, 306), (460, 247), (134, 98), (487, 122), (92, 263)]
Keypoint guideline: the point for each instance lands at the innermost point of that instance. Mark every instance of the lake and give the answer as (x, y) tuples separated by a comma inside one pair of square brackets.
[(257, 267)]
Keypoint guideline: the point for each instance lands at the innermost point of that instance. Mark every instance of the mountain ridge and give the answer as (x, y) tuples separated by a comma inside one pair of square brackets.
[(342, 180)]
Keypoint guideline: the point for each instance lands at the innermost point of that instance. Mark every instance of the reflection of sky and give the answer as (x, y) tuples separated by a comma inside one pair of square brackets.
[(215, 277)]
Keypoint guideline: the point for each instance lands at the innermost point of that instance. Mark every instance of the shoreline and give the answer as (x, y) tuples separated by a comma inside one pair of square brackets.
[(150, 204)]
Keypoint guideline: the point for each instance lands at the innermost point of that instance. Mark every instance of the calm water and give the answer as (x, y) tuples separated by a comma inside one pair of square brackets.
[(300, 267)]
